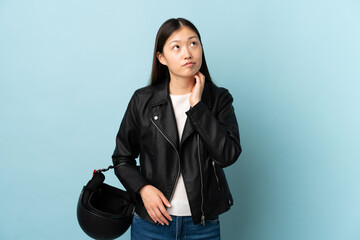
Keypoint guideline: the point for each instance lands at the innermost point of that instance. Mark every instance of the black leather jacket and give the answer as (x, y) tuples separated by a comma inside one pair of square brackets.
[(210, 142)]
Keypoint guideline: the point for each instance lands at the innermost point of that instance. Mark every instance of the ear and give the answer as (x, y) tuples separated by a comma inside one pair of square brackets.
[(161, 58)]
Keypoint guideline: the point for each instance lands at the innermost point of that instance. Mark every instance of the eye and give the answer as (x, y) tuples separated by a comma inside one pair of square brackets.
[(193, 43), (176, 47)]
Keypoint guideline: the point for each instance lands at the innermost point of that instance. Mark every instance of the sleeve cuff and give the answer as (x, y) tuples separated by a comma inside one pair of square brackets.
[(199, 107)]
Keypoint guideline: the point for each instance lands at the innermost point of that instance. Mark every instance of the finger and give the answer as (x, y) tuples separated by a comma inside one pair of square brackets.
[(162, 219), (202, 77), (165, 213), (162, 208), (156, 215), (197, 79), (153, 217), (164, 200), (200, 74)]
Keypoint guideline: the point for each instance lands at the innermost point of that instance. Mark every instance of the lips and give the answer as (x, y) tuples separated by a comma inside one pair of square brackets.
[(189, 64)]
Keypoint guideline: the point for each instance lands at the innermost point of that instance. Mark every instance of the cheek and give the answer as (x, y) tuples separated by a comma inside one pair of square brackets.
[(199, 55), (200, 60), (171, 59), (174, 62), (198, 68)]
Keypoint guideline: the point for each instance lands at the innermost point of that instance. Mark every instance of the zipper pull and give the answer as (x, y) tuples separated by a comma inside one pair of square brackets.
[(203, 220)]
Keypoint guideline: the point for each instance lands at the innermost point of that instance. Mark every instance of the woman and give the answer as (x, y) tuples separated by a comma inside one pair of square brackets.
[(184, 130)]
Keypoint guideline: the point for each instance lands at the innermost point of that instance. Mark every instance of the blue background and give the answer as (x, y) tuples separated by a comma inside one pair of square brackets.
[(69, 68)]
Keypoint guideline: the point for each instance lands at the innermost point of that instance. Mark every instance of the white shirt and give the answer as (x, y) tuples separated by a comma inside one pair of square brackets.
[(179, 202)]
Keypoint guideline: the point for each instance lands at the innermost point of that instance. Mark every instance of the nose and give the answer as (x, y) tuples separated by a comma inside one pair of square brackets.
[(187, 53)]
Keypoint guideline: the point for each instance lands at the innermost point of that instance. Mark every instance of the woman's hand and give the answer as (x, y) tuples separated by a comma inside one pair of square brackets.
[(198, 88), (154, 202)]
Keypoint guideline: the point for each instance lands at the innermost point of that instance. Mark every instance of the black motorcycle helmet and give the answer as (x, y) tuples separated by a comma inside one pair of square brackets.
[(103, 211)]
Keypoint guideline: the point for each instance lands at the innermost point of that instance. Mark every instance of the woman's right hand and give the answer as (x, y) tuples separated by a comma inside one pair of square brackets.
[(154, 201)]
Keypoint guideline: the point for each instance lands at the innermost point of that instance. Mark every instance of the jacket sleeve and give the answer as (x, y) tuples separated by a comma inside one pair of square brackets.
[(127, 150), (220, 133)]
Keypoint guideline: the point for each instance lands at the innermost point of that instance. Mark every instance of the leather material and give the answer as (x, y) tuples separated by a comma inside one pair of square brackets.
[(210, 142)]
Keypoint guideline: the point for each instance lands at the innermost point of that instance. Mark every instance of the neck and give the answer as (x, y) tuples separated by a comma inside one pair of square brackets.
[(181, 86)]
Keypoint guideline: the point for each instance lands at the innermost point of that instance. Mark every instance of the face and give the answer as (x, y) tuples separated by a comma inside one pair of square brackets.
[(182, 53)]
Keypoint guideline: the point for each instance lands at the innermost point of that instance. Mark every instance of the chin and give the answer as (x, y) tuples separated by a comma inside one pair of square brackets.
[(193, 72), (187, 74)]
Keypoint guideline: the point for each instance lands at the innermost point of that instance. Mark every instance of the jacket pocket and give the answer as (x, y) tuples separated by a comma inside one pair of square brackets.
[(216, 175)]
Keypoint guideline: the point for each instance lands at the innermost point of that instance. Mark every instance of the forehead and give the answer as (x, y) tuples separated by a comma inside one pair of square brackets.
[(182, 34)]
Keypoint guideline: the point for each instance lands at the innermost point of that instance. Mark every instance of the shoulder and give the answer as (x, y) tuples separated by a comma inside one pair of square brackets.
[(220, 90), (144, 91), (142, 96), (217, 91)]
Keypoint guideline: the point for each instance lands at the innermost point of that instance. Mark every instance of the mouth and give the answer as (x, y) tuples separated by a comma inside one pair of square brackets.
[(189, 64)]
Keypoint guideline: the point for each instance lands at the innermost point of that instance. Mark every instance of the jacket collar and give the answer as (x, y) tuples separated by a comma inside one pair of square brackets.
[(161, 94), (163, 112)]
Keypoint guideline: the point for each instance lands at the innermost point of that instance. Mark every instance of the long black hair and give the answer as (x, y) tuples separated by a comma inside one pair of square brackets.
[(160, 72)]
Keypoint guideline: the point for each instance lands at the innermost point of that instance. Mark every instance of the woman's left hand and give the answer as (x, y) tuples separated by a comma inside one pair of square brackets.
[(198, 88)]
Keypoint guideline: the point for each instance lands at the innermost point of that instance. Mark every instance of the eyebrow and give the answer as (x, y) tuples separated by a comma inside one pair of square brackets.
[(179, 40)]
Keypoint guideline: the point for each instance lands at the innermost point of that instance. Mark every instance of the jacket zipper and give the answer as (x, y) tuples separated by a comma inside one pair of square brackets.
[(178, 174), (202, 187), (216, 176)]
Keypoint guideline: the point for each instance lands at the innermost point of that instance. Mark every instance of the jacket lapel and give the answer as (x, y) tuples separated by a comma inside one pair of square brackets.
[(163, 113)]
